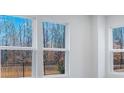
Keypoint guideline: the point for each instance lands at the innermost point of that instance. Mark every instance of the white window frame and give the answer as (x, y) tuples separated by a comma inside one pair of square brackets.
[(66, 49), (110, 70), (32, 48)]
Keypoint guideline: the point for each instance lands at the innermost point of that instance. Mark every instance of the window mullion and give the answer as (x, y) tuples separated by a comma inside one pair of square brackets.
[(54, 49), (117, 50)]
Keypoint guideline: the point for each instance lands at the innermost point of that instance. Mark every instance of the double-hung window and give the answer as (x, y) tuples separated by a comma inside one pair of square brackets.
[(55, 51), (15, 46), (118, 49)]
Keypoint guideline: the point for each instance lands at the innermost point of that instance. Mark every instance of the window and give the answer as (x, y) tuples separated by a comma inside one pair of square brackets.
[(118, 49), (54, 48), (15, 46), (22, 50)]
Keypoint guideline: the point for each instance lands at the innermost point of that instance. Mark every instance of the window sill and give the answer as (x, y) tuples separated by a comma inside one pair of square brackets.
[(56, 76)]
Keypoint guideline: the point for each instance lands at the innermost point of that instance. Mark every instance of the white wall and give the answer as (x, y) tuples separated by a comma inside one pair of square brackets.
[(94, 48), (115, 20), (98, 45), (80, 43)]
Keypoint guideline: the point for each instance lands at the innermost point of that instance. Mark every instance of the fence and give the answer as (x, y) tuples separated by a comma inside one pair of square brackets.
[(15, 70)]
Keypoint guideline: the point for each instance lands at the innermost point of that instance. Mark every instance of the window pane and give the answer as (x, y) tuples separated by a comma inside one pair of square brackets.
[(54, 35), (118, 38), (16, 63), (15, 31), (119, 62), (54, 62)]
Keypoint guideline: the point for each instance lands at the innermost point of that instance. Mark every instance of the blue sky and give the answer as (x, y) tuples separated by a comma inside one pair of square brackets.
[(15, 20)]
